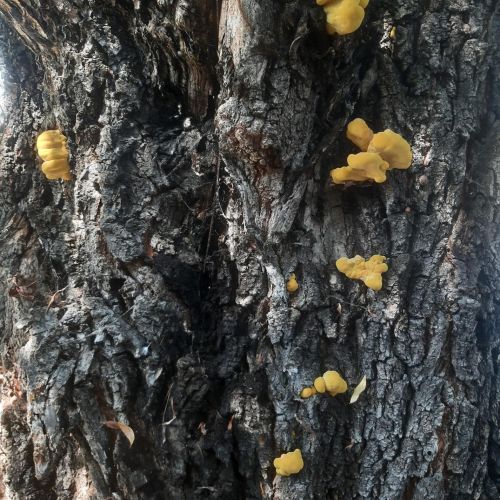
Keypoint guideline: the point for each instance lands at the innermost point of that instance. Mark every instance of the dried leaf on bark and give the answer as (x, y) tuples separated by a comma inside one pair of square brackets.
[(127, 431), (358, 390)]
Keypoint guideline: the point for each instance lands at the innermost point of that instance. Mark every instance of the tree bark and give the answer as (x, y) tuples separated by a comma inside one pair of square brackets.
[(151, 289)]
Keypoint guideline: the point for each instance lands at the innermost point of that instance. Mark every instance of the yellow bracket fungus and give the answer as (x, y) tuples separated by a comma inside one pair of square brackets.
[(331, 382), (359, 133), (361, 167), (335, 384), (292, 285), (319, 385), (343, 16), (307, 392), (52, 149), (289, 463), (392, 148), (369, 271)]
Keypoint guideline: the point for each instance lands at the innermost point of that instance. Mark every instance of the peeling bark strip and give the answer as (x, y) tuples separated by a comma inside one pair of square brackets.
[(151, 290)]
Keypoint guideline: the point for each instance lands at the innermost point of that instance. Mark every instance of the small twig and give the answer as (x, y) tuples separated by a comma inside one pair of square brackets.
[(350, 303), (166, 405), (53, 297), (295, 41), (216, 188)]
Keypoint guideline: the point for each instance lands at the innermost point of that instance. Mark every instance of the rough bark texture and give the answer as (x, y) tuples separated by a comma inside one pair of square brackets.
[(201, 136)]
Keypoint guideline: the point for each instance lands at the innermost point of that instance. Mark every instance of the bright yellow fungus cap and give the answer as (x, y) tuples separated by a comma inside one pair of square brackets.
[(319, 385), (307, 392), (359, 133), (373, 281), (343, 16), (52, 149), (362, 167), (289, 463), (335, 384), (370, 271), (292, 285), (392, 148), (56, 169)]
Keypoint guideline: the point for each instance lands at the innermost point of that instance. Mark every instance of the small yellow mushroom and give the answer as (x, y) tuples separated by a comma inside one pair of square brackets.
[(307, 392), (370, 271), (392, 33), (292, 285), (331, 382), (334, 383), (362, 167), (319, 385), (52, 149), (289, 463), (392, 148), (343, 16), (359, 133)]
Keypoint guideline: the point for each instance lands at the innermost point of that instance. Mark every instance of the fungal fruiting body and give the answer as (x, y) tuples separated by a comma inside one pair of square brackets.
[(343, 16), (331, 382), (307, 392), (292, 284), (359, 133), (392, 148), (381, 152), (289, 463), (361, 167), (369, 271), (52, 149), (334, 383)]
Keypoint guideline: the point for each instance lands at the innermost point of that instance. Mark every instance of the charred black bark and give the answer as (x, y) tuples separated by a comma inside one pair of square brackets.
[(151, 289)]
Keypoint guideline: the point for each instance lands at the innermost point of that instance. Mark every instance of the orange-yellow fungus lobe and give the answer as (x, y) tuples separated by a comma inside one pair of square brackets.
[(343, 16), (292, 284), (52, 149), (289, 463), (361, 167), (369, 271), (334, 383), (359, 133), (319, 385), (307, 392), (392, 148)]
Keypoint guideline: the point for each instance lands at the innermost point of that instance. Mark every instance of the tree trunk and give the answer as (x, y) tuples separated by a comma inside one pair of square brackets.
[(151, 289)]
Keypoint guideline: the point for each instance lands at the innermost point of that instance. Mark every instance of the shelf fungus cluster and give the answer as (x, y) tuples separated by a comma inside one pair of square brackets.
[(289, 463), (331, 382), (52, 149), (381, 152), (343, 16), (368, 271)]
